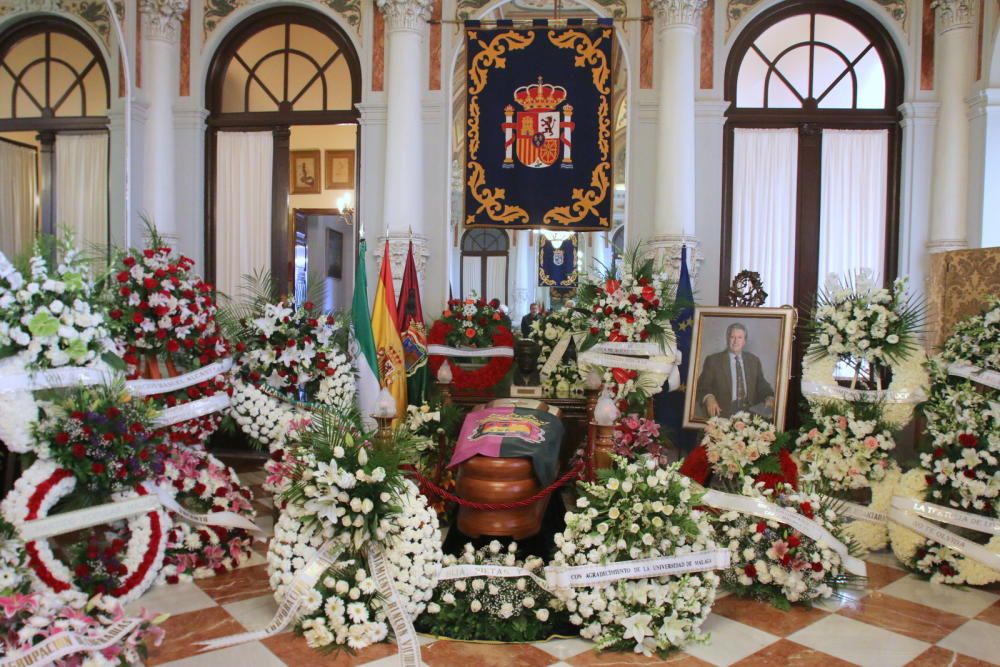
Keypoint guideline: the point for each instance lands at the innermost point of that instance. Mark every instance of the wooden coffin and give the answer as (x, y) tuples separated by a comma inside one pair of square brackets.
[(484, 479)]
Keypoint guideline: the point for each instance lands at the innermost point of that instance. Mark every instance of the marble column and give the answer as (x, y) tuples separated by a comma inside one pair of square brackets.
[(674, 209), (160, 58), (954, 69), (403, 205)]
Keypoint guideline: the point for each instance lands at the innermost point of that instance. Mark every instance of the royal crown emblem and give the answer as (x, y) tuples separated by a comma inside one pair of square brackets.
[(538, 132)]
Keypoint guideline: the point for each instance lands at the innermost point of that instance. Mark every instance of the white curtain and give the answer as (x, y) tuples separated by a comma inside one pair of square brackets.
[(765, 164), (82, 188), (496, 279), (471, 276), (242, 207), (852, 202), (18, 190)]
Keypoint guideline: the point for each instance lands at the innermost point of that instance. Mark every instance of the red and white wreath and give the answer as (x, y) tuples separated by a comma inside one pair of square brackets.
[(39, 489)]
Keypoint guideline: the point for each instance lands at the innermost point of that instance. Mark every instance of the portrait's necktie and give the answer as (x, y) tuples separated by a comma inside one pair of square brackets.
[(741, 385)]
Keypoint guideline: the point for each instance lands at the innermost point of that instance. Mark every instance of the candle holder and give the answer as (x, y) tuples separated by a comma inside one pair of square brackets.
[(444, 378), (383, 436), (385, 412), (602, 434)]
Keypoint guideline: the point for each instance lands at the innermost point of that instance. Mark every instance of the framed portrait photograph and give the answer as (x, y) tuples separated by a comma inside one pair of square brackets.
[(304, 173), (740, 361), (339, 170)]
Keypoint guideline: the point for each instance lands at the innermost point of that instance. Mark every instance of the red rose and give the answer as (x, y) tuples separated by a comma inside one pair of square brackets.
[(173, 345), (594, 331), (137, 317), (817, 567), (129, 261), (794, 541), (807, 510), (308, 305), (81, 570), (62, 437), (761, 526), (967, 440), (115, 314), (123, 277), (938, 452), (750, 570), (149, 283), (929, 480), (79, 451), (97, 468), (470, 333)]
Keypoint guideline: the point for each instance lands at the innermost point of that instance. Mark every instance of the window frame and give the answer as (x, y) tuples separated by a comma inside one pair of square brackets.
[(482, 256)]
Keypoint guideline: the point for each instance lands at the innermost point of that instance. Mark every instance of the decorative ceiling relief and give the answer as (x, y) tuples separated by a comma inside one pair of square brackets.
[(737, 9), (92, 12), (217, 10)]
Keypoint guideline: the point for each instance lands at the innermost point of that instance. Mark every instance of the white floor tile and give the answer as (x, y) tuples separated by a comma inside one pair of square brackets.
[(255, 613), (172, 599), (255, 559), (730, 642), (861, 644), (975, 639), (254, 653), (840, 599), (886, 558), (961, 601), (565, 648)]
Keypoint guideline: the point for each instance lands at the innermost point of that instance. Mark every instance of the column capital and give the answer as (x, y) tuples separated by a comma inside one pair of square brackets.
[(399, 245), (404, 15), (666, 251), (678, 13), (953, 14), (161, 19)]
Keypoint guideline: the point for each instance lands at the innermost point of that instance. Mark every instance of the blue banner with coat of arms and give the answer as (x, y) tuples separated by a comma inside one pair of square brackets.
[(538, 141), (557, 262)]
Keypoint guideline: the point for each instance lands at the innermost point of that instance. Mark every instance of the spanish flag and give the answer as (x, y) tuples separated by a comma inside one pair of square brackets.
[(388, 345)]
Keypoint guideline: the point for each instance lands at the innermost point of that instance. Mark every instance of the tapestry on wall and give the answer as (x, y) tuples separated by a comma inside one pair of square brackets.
[(538, 143), (557, 262)]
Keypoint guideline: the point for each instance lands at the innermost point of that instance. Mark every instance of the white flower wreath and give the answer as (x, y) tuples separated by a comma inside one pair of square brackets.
[(639, 511), (261, 416), (927, 556), (873, 535), (344, 607), (39, 489)]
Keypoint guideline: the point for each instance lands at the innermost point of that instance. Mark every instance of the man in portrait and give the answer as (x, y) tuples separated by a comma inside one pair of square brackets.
[(733, 380)]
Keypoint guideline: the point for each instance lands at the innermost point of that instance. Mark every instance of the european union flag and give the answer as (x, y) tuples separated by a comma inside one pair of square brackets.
[(669, 407)]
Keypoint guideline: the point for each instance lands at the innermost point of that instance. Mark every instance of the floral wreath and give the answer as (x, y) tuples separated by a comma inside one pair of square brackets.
[(205, 484), (264, 418), (943, 564), (548, 331), (164, 317), (37, 314), (345, 489), (638, 510), (773, 561), (476, 324), (33, 496)]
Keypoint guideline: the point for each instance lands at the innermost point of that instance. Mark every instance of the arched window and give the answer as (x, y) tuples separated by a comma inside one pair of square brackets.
[(281, 89), (485, 260), (54, 99), (812, 145)]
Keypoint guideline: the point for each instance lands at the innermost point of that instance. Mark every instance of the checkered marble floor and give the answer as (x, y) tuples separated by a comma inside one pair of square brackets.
[(899, 620)]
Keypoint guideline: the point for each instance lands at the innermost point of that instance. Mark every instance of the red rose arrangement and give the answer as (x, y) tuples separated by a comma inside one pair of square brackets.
[(104, 437), (163, 314), (473, 324)]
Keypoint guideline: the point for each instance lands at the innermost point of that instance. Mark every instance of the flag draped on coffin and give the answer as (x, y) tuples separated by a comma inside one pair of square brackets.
[(539, 132), (366, 360), (557, 263), (388, 346), (412, 332), (669, 406)]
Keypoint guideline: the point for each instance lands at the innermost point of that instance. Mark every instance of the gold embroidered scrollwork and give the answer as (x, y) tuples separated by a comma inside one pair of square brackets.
[(491, 199)]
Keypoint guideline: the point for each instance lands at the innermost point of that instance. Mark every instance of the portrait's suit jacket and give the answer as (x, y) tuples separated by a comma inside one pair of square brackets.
[(716, 379)]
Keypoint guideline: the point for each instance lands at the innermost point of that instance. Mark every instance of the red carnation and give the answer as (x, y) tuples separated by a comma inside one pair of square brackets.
[(807, 509), (137, 317), (794, 541), (78, 451), (173, 345), (695, 465), (750, 570), (470, 333), (123, 276), (789, 471), (62, 437), (97, 468), (115, 314), (761, 526), (129, 261)]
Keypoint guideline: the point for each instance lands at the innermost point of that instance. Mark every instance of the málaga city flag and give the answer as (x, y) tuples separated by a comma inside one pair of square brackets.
[(412, 332), (388, 346), (366, 360)]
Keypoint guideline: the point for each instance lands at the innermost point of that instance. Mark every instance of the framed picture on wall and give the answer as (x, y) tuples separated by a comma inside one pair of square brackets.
[(740, 362), (334, 254), (339, 170), (304, 173)]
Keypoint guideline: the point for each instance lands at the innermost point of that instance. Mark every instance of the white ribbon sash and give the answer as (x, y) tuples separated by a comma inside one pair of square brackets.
[(559, 351), (304, 580), (221, 519), (67, 522), (905, 513), (54, 379), (402, 626), (806, 526), (590, 575), (65, 644), (982, 524), (813, 389), (976, 374), (448, 351), (859, 512), (192, 410), (167, 385), (633, 349)]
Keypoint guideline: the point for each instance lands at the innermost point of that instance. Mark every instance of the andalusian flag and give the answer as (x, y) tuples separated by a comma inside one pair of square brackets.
[(365, 360), (388, 346), (412, 332)]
